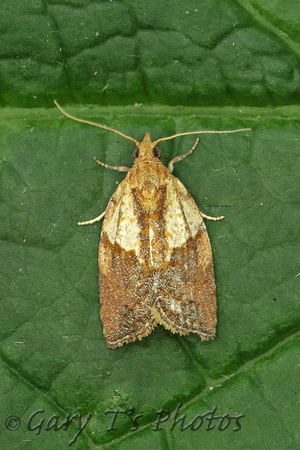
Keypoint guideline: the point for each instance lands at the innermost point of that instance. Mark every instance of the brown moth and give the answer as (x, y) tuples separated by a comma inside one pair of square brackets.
[(155, 258)]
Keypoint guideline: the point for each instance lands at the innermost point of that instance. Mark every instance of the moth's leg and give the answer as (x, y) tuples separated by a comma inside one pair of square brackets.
[(107, 166), (180, 157), (89, 222), (211, 218), (118, 168)]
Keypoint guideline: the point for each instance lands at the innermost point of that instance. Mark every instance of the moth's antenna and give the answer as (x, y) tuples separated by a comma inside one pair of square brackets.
[(200, 132), (96, 124)]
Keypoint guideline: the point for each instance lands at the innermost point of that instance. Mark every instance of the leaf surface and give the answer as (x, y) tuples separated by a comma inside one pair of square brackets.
[(162, 67)]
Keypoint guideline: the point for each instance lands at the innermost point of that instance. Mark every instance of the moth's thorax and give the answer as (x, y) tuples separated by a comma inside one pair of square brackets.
[(148, 174), (148, 177)]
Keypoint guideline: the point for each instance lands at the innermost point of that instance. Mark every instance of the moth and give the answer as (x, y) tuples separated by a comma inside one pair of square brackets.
[(155, 258)]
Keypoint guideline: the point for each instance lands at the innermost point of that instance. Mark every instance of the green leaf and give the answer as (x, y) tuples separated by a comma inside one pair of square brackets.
[(182, 53), (193, 66)]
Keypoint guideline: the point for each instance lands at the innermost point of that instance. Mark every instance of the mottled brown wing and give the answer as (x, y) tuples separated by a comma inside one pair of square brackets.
[(125, 291), (136, 294), (185, 289)]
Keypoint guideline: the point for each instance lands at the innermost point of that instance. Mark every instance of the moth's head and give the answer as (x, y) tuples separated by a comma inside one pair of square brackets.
[(146, 150)]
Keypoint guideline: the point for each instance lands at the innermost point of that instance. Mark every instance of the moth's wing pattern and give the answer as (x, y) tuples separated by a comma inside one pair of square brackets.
[(185, 288), (125, 291), (179, 293)]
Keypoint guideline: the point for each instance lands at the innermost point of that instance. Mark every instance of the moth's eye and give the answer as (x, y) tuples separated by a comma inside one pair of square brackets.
[(136, 153), (156, 152)]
